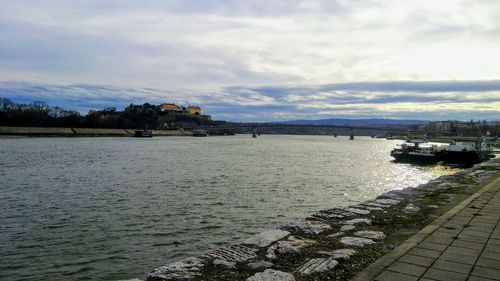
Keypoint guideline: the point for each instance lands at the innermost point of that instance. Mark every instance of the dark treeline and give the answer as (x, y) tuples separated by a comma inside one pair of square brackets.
[(40, 114)]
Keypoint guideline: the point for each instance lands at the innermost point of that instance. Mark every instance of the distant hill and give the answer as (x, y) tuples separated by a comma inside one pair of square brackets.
[(356, 122)]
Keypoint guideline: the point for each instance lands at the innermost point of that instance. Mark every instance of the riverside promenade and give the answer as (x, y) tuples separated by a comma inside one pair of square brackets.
[(463, 244)]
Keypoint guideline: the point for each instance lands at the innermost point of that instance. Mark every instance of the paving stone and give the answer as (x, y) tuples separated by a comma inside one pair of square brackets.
[(483, 225), (475, 233), (457, 225), (486, 272), (440, 233), (459, 258), (494, 248), (437, 240), (438, 274), (233, 253), (477, 278), (272, 275), (471, 238), (432, 246), (451, 230), (466, 244), (417, 260), (266, 238), (462, 251), (484, 262), (318, 265), (495, 235), (452, 266), (424, 253), (407, 268), (486, 221), (490, 255), (479, 229), (356, 241), (395, 276), (494, 242)]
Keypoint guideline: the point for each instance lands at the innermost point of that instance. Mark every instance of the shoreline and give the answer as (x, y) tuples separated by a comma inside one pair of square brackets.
[(81, 132), (338, 243)]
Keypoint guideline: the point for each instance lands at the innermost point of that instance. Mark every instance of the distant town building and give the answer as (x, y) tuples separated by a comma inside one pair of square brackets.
[(170, 107), (442, 126), (195, 110)]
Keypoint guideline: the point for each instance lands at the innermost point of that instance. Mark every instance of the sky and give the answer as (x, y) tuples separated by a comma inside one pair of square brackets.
[(260, 60)]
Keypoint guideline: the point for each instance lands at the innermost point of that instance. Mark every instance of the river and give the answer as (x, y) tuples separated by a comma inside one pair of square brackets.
[(115, 208)]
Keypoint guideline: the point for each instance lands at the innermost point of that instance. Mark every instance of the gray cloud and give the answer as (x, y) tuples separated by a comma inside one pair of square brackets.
[(433, 100)]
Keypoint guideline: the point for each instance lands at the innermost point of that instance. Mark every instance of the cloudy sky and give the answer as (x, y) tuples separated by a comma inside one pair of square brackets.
[(258, 60)]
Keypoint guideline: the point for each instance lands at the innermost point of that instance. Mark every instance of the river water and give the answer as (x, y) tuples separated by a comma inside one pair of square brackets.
[(115, 208)]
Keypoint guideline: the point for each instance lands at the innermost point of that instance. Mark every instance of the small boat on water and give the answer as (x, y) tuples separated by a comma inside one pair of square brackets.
[(467, 151), (462, 151), (200, 133), (418, 151), (143, 134)]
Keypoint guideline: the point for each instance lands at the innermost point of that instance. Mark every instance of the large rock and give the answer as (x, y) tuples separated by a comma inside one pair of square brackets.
[(184, 270), (224, 264), (260, 264), (317, 265), (308, 227), (359, 220), (387, 201), (411, 208), (266, 238), (358, 211), (356, 241), (340, 253), (373, 204), (334, 213), (336, 234), (347, 227), (370, 234), (233, 253), (291, 246), (271, 275)]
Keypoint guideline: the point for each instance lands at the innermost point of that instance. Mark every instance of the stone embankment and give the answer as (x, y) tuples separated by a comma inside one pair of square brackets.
[(82, 132), (337, 243)]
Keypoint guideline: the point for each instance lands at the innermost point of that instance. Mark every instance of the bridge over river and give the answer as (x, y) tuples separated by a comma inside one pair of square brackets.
[(328, 129)]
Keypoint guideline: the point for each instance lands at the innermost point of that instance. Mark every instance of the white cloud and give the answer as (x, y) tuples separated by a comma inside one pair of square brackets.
[(211, 46)]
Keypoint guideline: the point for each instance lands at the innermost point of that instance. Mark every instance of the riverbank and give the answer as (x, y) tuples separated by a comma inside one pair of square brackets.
[(337, 243), (82, 132)]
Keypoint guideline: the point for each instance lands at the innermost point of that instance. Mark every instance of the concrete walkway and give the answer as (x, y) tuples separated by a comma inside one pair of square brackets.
[(463, 244)]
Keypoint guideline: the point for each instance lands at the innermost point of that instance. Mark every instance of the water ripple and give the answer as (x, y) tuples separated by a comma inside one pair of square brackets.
[(114, 208)]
